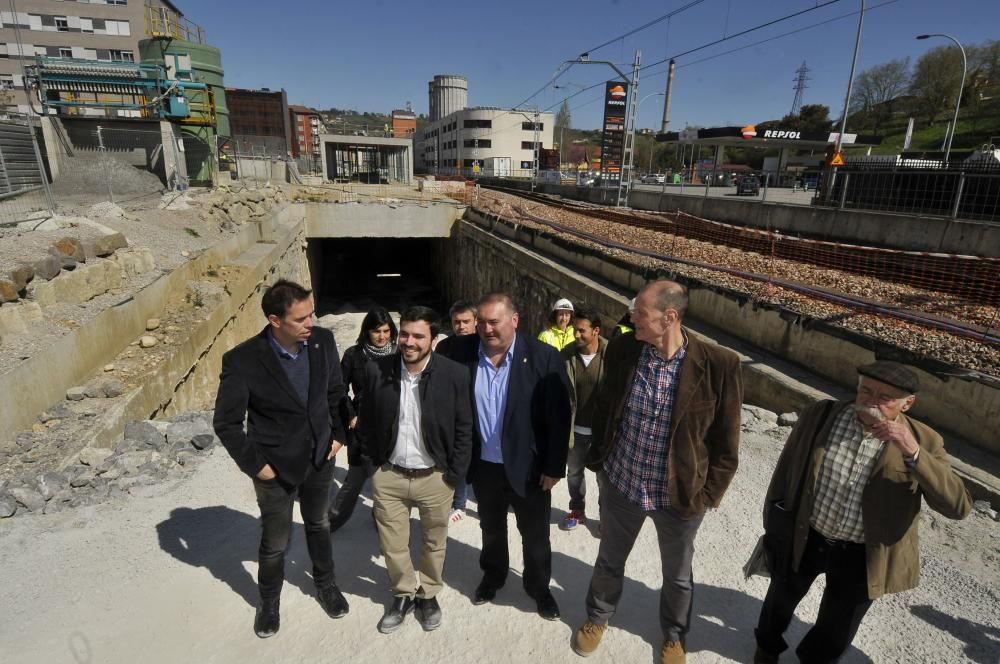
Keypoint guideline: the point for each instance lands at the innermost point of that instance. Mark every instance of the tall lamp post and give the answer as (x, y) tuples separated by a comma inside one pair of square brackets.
[(961, 89)]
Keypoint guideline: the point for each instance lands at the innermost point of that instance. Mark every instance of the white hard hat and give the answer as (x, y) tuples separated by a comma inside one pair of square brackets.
[(562, 304)]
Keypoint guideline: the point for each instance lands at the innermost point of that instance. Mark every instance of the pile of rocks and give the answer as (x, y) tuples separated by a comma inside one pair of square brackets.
[(66, 254), (755, 419), (150, 452), (228, 206)]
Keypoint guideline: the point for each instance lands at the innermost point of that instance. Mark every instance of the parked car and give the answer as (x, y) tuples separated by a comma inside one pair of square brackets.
[(654, 178), (748, 185)]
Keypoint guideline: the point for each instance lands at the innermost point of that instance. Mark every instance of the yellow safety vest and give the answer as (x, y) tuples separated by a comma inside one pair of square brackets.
[(557, 338)]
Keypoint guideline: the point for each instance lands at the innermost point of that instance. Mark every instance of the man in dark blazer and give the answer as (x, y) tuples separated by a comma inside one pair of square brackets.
[(415, 425), (285, 383), (520, 398)]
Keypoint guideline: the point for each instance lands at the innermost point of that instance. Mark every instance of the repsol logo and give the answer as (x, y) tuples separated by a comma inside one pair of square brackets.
[(774, 133), (615, 102)]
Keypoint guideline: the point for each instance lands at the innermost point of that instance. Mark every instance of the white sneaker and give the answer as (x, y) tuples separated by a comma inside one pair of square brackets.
[(456, 516)]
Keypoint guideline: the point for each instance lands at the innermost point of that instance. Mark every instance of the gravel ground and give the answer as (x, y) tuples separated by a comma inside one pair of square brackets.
[(167, 575), (949, 348)]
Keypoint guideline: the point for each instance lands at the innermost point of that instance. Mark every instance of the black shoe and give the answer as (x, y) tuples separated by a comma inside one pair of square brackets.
[(547, 607), (332, 601), (428, 612), (395, 614), (485, 592), (268, 619)]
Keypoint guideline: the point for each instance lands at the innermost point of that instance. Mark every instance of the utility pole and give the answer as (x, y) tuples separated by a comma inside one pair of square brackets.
[(800, 86)]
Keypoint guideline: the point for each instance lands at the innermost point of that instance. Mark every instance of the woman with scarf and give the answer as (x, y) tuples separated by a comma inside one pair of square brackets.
[(376, 339)]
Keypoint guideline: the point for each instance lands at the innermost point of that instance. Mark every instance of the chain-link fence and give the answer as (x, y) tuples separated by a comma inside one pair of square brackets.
[(24, 182)]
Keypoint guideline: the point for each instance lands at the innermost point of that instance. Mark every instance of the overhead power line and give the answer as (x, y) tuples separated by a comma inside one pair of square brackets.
[(739, 48), (648, 24)]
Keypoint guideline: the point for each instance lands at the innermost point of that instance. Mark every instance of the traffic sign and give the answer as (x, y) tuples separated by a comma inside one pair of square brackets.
[(837, 159)]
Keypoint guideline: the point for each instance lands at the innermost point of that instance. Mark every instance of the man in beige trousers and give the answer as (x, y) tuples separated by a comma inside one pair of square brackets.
[(415, 424)]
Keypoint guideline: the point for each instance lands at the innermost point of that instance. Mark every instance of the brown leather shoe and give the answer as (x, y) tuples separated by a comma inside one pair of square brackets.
[(673, 653), (587, 638)]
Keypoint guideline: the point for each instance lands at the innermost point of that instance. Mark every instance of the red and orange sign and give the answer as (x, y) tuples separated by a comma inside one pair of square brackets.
[(749, 131)]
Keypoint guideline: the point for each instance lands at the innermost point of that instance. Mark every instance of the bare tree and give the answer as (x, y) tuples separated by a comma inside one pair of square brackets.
[(936, 80), (876, 90)]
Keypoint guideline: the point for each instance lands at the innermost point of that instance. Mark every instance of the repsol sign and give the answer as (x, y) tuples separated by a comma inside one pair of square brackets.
[(782, 133)]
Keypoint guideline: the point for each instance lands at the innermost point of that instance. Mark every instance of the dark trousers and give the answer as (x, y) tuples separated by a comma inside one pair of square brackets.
[(621, 522), (275, 500), (844, 604), (574, 472), (346, 498), (532, 513)]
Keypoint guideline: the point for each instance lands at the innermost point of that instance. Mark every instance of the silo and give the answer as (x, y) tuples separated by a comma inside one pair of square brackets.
[(206, 64), (451, 92)]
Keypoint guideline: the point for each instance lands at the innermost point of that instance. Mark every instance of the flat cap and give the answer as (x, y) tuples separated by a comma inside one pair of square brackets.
[(892, 373)]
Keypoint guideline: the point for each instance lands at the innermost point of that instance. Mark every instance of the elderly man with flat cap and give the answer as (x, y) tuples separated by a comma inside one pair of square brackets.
[(843, 502)]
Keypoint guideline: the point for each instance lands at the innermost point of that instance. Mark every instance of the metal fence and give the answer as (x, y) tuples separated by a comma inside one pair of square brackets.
[(24, 183), (961, 191)]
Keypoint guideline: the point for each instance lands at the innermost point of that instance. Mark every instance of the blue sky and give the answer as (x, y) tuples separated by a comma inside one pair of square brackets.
[(376, 55)]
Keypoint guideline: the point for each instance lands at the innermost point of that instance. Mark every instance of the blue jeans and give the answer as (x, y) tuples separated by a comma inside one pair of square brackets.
[(461, 495)]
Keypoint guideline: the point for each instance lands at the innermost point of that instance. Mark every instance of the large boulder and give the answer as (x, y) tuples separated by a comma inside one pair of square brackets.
[(22, 275), (30, 498), (9, 291), (105, 245), (47, 268), (146, 432), (70, 246)]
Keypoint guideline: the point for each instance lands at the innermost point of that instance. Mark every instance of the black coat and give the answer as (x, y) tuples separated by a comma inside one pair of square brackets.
[(280, 429), (445, 413), (537, 420), (352, 365)]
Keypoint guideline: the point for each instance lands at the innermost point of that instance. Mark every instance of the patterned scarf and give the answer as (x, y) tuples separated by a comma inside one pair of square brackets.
[(371, 352)]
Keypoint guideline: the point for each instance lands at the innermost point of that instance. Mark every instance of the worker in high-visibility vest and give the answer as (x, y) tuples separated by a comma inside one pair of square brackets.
[(624, 325), (560, 333)]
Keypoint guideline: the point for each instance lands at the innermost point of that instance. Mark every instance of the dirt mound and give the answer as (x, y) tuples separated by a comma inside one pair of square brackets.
[(89, 174)]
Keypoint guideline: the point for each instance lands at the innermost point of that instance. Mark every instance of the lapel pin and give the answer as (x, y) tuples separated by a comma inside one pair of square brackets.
[(315, 345)]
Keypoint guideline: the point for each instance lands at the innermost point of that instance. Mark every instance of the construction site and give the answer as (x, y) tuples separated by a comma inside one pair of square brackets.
[(138, 231)]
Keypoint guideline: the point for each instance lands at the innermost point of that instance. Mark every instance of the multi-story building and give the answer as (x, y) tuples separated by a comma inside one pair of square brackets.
[(465, 141), (484, 139), (96, 30), (404, 124), (260, 121), (306, 128)]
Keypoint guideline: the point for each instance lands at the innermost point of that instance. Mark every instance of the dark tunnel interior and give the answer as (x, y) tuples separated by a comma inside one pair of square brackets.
[(354, 274)]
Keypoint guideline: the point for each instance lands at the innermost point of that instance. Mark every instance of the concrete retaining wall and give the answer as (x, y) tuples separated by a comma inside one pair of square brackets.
[(479, 261), (879, 229), (405, 220)]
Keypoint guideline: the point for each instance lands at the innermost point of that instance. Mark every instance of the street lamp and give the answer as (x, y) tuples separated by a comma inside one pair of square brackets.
[(961, 89)]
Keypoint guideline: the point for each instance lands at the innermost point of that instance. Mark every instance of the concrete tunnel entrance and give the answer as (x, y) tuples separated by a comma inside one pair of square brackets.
[(351, 275)]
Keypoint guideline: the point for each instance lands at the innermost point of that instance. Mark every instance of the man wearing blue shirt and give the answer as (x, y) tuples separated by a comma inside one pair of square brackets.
[(521, 399)]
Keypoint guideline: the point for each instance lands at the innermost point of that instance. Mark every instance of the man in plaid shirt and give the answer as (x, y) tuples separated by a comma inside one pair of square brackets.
[(853, 473), (666, 431)]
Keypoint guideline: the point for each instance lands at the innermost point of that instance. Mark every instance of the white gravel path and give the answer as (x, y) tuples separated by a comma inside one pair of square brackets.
[(168, 576)]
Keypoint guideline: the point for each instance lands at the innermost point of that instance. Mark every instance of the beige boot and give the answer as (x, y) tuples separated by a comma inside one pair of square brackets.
[(588, 637), (673, 653)]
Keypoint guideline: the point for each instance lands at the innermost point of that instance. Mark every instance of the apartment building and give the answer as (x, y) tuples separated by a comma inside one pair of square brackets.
[(306, 128), (107, 30)]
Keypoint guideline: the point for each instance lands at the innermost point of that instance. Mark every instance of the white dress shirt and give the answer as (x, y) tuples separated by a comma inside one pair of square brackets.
[(410, 451)]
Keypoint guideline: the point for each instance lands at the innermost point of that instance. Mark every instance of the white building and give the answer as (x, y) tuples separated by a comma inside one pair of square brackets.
[(465, 141), (498, 141)]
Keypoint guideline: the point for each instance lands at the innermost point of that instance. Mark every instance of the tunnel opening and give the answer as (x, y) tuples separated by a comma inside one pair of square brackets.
[(351, 275)]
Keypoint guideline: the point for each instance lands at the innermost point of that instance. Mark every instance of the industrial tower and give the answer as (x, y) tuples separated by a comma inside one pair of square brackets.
[(800, 85)]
